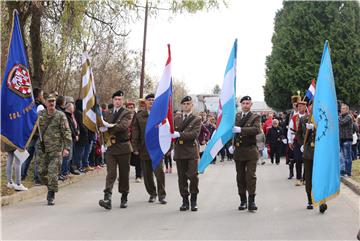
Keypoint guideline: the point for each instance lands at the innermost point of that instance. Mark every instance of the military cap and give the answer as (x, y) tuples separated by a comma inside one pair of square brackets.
[(246, 97), (302, 102), (186, 98), (149, 96), (51, 97), (118, 93), (295, 98)]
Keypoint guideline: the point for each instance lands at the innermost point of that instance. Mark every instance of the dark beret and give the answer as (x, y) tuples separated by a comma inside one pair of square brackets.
[(149, 96), (186, 98), (245, 98), (118, 93)]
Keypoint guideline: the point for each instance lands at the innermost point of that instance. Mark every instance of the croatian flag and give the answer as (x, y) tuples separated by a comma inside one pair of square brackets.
[(159, 126), (310, 93), (227, 112)]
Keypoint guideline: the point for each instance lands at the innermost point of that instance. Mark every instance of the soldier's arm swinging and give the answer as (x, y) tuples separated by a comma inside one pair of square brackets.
[(66, 133), (135, 135)]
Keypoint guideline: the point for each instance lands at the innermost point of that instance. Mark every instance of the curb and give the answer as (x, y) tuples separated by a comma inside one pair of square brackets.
[(353, 185), (42, 190)]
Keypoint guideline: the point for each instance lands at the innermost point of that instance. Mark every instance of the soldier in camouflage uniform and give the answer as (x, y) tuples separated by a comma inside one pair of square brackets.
[(54, 144)]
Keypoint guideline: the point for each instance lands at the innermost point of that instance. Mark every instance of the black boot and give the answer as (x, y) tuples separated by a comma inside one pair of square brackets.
[(291, 170), (106, 202), (243, 202), (51, 198), (252, 205), (123, 203), (185, 204), (193, 203), (309, 206), (323, 208)]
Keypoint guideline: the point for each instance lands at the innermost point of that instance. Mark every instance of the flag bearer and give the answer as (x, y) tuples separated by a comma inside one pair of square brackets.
[(246, 155), (119, 150), (186, 153)]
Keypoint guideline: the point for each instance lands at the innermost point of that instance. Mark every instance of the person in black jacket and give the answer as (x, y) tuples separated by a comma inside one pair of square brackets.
[(74, 127), (79, 146), (274, 139)]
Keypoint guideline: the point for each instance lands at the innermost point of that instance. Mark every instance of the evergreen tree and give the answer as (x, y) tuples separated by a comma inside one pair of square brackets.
[(301, 29)]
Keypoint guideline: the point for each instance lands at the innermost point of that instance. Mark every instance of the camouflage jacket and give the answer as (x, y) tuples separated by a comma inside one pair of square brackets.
[(57, 136)]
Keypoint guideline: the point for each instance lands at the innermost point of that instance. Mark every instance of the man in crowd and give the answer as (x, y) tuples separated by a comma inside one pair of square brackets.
[(54, 144), (138, 142), (186, 153), (118, 153), (346, 138), (246, 155)]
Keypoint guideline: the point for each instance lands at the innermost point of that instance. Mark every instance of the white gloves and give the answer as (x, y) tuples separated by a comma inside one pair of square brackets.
[(175, 135), (103, 129), (284, 141), (236, 129), (103, 149), (302, 148), (106, 124), (309, 126), (231, 149)]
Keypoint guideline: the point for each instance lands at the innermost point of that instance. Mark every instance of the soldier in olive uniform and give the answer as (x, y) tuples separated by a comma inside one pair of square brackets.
[(54, 144), (138, 143), (246, 154), (119, 152), (308, 147), (186, 153)]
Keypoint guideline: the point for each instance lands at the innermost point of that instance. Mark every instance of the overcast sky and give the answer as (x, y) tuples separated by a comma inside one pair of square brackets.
[(201, 44)]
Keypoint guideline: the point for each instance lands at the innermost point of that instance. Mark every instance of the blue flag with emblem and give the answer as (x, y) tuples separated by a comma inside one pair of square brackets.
[(326, 167), (18, 109)]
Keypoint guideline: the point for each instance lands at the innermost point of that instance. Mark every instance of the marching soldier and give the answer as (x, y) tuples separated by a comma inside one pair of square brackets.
[(138, 142), (290, 153), (307, 142), (54, 144), (246, 155), (186, 153), (293, 140), (119, 150)]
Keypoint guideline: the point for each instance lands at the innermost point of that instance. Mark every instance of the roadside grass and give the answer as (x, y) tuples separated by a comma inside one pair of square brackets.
[(355, 175)]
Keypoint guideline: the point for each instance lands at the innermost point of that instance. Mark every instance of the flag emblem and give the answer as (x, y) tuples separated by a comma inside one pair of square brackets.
[(19, 82)]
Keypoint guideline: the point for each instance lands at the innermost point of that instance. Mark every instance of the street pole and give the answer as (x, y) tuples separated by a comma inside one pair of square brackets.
[(142, 75)]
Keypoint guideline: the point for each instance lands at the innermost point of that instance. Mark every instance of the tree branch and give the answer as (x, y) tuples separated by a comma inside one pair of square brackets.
[(110, 25)]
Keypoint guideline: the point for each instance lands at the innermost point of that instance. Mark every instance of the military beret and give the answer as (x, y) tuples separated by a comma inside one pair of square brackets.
[(118, 93), (245, 98), (51, 97), (186, 98), (149, 96)]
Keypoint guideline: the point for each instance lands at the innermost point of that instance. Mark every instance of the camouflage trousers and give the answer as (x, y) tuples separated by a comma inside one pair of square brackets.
[(49, 166)]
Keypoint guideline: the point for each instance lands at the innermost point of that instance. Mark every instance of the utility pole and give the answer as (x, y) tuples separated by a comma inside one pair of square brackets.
[(142, 75)]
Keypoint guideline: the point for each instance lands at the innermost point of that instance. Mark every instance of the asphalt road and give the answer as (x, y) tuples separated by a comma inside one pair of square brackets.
[(282, 212)]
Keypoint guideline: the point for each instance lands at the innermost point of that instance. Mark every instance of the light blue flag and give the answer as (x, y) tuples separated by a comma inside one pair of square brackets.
[(326, 169), (226, 116)]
